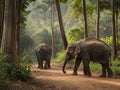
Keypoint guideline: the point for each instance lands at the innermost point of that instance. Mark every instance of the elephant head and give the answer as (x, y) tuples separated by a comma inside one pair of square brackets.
[(71, 52)]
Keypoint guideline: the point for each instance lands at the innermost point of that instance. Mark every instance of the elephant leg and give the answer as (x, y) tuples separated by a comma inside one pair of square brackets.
[(87, 70), (103, 70), (84, 70), (77, 63), (49, 64), (41, 64), (38, 64), (46, 64), (110, 73), (38, 61)]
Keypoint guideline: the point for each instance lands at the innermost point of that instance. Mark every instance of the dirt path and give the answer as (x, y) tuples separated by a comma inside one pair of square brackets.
[(54, 79)]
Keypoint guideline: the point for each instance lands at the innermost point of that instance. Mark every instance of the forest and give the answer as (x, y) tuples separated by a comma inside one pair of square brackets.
[(27, 24)]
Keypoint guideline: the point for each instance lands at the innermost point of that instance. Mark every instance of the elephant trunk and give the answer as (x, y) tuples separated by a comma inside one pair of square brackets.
[(63, 69)]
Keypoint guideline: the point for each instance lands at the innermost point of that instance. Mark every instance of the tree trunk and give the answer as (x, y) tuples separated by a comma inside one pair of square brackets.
[(117, 14), (1, 19), (18, 23), (9, 31), (61, 24), (113, 30), (85, 19), (97, 21), (52, 28)]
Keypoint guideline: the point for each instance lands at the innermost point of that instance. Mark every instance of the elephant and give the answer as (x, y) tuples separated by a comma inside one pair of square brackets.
[(86, 50), (43, 53)]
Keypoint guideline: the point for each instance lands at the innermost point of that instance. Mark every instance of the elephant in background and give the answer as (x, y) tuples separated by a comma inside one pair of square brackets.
[(87, 50), (43, 53)]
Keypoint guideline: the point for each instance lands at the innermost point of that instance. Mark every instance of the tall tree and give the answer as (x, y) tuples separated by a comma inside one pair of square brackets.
[(97, 21), (117, 9), (9, 45), (113, 30), (19, 4), (1, 19), (85, 18), (61, 24), (52, 28)]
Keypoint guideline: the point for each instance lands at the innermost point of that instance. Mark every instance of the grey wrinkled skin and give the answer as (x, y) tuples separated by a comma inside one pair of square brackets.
[(87, 50), (43, 53)]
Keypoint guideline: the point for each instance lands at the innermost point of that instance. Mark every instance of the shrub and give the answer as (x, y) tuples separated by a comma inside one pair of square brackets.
[(60, 56), (11, 71), (108, 40), (20, 73), (116, 67), (26, 61), (95, 67), (74, 34)]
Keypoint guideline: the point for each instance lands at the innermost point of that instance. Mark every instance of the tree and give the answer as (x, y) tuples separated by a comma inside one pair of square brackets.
[(61, 24), (9, 44), (97, 21), (1, 19), (19, 4), (85, 18), (117, 10), (113, 30), (52, 28)]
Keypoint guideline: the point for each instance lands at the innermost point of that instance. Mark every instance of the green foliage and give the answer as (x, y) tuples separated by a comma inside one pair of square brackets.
[(3, 74), (105, 4), (116, 67), (95, 67), (26, 43), (45, 36), (60, 56), (23, 71), (12, 71), (24, 11), (63, 1), (76, 8), (74, 34), (20, 73), (26, 61), (108, 40)]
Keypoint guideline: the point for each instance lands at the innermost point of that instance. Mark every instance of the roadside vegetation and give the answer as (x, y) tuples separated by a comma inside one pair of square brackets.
[(11, 71)]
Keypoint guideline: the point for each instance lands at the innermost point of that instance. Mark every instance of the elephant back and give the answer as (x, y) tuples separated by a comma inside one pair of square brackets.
[(43, 50)]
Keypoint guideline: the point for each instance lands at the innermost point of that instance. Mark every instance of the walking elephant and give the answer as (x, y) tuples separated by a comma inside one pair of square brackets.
[(43, 53), (87, 50)]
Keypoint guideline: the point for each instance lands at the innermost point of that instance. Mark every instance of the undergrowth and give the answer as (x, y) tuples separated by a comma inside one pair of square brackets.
[(11, 71)]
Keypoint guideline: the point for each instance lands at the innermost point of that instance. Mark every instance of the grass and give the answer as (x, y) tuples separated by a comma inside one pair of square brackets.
[(96, 67)]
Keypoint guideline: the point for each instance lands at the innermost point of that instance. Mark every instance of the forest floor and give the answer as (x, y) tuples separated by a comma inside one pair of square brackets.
[(54, 79)]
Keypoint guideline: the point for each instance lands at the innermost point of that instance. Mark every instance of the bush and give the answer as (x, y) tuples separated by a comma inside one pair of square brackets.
[(116, 67), (11, 71), (20, 73), (3, 73), (95, 67), (26, 61), (74, 34), (108, 40), (60, 56)]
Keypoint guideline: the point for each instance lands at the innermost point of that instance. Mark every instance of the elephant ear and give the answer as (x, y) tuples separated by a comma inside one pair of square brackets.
[(77, 51)]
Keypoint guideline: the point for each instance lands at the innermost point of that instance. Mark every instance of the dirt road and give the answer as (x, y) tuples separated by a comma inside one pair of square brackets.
[(54, 79)]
